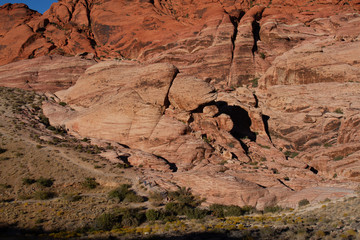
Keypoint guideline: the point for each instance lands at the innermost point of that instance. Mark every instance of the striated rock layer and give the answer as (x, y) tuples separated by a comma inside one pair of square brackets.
[(229, 42), (246, 102)]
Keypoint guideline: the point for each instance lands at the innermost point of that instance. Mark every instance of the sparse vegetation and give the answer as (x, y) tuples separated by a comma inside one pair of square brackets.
[(28, 181), (303, 202), (291, 154), (44, 195), (90, 183), (338, 158), (254, 82), (45, 182), (339, 111), (124, 193)]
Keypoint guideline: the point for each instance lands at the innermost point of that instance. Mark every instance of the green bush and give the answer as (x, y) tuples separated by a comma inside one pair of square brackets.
[(156, 198), (105, 221), (338, 158), (133, 197), (185, 197), (339, 110), (254, 82), (45, 182), (124, 193), (175, 208), (72, 197), (44, 195), (131, 217), (90, 183), (233, 210), (303, 202), (272, 209), (221, 211), (291, 154), (28, 181), (123, 217), (152, 215), (196, 213)]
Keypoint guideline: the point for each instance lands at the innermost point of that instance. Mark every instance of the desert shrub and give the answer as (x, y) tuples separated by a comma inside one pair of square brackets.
[(124, 193), (123, 217), (291, 154), (44, 195), (2, 150), (90, 183), (44, 120), (5, 186), (131, 196), (196, 213), (153, 215), (272, 209), (255, 82), (120, 192), (131, 217), (217, 210), (72, 197), (233, 210), (28, 181), (338, 158), (45, 182), (156, 198), (105, 221), (262, 55), (303, 202), (185, 197), (62, 104), (338, 110), (221, 211), (175, 208), (123, 165)]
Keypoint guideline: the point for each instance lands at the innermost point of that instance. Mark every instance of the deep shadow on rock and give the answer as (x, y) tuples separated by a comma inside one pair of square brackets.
[(240, 118)]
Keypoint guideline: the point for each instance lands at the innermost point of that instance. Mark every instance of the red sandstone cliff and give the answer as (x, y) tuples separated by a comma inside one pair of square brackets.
[(244, 97)]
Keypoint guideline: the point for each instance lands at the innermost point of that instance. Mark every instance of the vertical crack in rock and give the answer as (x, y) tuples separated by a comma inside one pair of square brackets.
[(166, 100), (265, 120), (256, 30), (235, 21), (91, 37)]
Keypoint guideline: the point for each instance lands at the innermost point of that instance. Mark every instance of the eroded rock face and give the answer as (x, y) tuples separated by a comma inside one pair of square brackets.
[(209, 127), (228, 42), (48, 73), (320, 121)]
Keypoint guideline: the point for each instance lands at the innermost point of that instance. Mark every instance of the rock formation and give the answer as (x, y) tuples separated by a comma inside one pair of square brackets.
[(246, 102)]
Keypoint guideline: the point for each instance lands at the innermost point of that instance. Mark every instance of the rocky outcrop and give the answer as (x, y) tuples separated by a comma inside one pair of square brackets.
[(48, 73), (310, 120), (181, 90), (228, 42)]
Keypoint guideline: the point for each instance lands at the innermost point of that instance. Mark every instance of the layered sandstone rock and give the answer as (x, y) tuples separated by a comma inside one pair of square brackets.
[(209, 127), (229, 42), (48, 73)]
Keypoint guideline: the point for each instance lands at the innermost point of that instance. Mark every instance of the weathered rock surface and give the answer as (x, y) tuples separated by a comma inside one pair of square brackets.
[(48, 73), (229, 42), (209, 127)]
